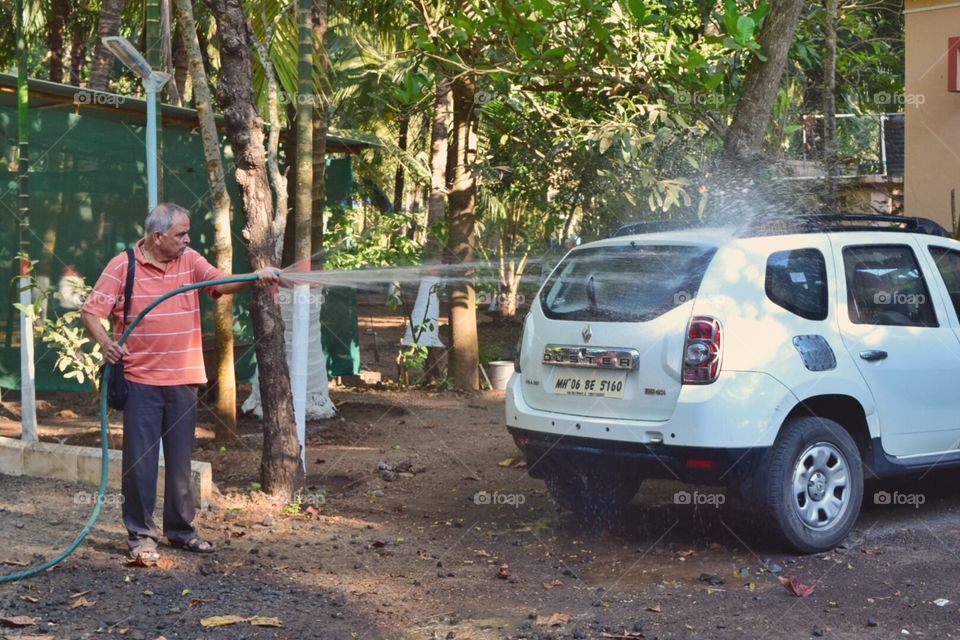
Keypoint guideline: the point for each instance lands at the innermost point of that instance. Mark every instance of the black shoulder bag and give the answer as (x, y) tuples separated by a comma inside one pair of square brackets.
[(118, 388)]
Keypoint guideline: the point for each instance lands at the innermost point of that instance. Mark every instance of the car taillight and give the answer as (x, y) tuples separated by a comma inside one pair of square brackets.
[(701, 354)]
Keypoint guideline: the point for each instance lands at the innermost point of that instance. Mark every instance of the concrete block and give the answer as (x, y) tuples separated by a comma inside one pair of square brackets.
[(11, 456), (89, 473), (82, 464), (46, 460), (88, 467)]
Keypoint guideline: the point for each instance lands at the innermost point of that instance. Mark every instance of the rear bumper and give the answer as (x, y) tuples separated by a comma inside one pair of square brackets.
[(547, 452), (742, 410)]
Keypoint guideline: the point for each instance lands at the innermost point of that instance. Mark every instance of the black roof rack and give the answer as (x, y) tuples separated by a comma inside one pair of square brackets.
[(804, 223)]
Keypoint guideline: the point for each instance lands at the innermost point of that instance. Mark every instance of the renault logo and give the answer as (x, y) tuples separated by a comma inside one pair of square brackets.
[(586, 333)]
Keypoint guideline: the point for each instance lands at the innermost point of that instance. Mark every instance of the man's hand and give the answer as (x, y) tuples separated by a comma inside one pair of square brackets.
[(268, 275), (113, 351)]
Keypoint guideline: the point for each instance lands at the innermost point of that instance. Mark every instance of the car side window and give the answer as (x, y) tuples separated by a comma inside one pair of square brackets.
[(948, 264), (885, 286), (797, 281)]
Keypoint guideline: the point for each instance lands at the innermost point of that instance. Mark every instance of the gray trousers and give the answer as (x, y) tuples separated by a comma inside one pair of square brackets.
[(154, 414)]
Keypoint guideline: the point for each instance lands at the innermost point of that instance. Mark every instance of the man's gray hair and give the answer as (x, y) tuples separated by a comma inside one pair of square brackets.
[(162, 217)]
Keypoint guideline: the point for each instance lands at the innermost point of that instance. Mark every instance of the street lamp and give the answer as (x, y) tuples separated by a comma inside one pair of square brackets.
[(152, 81)]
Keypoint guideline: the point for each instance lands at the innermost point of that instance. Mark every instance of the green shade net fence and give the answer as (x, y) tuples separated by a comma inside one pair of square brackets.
[(88, 200)]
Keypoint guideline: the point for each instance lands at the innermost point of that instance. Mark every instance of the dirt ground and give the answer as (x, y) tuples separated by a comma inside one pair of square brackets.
[(390, 540)]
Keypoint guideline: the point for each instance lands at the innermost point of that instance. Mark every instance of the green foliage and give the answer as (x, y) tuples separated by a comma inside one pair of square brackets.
[(364, 237)]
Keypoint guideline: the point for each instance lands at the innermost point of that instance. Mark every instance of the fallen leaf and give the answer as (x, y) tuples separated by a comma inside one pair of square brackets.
[(30, 599), (263, 621), (221, 621), (797, 588), (503, 571), (80, 594), (15, 563), (506, 462), (872, 551), (655, 609), (520, 465), (82, 602), (17, 621), (139, 561), (552, 584), (554, 620), (481, 553)]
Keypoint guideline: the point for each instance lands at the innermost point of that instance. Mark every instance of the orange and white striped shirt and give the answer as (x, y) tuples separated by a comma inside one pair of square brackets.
[(165, 348)]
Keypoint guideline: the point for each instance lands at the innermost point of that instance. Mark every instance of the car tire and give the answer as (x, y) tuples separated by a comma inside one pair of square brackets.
[(598, 496), (812, 488)]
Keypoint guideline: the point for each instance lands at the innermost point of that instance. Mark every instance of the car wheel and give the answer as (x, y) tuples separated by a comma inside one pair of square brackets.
[(813, 486), (599, 496)]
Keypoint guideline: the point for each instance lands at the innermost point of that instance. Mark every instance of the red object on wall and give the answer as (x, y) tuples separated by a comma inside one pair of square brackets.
[(953, 54)]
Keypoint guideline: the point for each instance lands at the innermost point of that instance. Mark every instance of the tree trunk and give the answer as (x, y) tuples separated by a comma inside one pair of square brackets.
[(110, 14), (225, 407), (436, 200), (744, 139), (55, 29), (278, 180), (290, 151), (166, 52), (830, 108), (181, 66), (464, 352), (303, 208), (398, 175), (78, 53), (320, 127), (280, 469)]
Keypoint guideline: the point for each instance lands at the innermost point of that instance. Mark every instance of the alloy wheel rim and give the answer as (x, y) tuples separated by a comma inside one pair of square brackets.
[(820, 489)]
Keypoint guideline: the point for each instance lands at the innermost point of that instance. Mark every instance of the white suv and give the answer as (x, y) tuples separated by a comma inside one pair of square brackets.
[(789, 366)]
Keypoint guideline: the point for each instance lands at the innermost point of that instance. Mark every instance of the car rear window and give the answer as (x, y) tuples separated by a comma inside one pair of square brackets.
[(797, 281), (628, 283)]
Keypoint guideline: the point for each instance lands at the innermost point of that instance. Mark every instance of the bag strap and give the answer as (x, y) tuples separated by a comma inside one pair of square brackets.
[(128, 288)]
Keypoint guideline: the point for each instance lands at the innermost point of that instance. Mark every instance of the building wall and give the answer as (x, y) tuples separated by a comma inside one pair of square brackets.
[(932, 112)]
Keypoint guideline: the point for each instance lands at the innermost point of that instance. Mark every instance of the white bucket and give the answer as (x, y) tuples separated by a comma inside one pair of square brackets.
[(500, 372)]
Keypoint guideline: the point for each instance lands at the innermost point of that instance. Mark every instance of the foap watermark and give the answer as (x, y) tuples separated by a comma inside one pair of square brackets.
[(700, 99), (98, 98), (485, 498), (85, 497), (299, 99), (309, 296), (899, 99), (696, 498), (897, 297), (489, 297), (897, 499)]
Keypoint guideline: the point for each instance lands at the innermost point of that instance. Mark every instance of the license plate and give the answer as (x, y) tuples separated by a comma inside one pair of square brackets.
[(592, 384)]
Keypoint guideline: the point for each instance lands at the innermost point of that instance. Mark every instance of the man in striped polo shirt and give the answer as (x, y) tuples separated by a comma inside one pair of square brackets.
[(163, 362)]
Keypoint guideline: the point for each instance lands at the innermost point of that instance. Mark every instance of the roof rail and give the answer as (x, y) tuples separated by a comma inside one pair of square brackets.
[(802, 223), (654, 226)]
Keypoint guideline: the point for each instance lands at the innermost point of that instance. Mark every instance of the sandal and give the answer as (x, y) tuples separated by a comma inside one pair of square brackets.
[(145, 554), (195, 545)]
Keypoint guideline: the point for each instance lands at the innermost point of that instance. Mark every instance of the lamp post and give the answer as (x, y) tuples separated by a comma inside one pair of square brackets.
[(152, 81)]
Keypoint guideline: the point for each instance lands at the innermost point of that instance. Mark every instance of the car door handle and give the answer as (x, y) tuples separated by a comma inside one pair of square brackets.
[(873, 354)]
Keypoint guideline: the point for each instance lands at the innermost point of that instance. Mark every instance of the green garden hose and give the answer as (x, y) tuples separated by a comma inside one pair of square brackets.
[(104, 455)]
